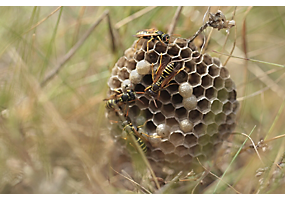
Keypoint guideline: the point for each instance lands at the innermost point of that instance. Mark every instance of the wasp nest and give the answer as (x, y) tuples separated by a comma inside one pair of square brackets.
[(193, 114)]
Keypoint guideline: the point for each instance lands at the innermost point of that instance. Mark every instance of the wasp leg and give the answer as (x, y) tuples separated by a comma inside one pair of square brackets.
[(148, 43), (137, 43)]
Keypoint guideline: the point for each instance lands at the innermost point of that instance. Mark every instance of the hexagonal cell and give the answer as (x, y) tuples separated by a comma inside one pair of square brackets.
[(168, 110), (194, 79), (232, 96), (235, 106), (202, 68), (148, 44), (130, 64), (139, 56), (203, 140), (171, 122), (181, 77), (143, 67), (133, 111), (224, 73), (114, 82), (216, 106), (186, 159), (135, 77), (223, 95), (173, 50), (190, 66), (190, 140), (150, 127), (185, 90), (151, 56), (186, 125), (190, 102), (146, 114), (203, 105), (180, 113), (231, 118), (218, 83), (229, 85), (176, 99), (155, 107), (198, 91), (163, 130), (158, 118), (223, 128), (181, 151), (115, 70), (129, 53), (146, 80), (220, 118), (164, 97), (172, 87), (176, 138), (195, 116), (195, 150), (160, 47), (158, 155), (181, 42), (142, 102), (207, 81), (209, 118), (200, 129), (207, 59), (121, 62), (186, 53), (211, 93), (171, 158), (123, 74), (216, 61), (208, 149), (167, 147), (227, 108), (214, 70), (212, 129)]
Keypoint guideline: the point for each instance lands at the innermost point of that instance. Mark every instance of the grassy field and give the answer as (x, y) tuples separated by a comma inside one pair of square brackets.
[(54, 67)]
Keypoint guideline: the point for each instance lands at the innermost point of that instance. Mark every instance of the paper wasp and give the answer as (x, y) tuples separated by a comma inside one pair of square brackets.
[(163, 75), (152, 34)]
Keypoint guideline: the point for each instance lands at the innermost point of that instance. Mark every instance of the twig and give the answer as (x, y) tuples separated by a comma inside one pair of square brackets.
[(43, 20), (111, 33), (71, 52), (174, 20)]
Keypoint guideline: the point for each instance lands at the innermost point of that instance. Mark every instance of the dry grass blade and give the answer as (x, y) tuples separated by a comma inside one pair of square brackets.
[(133, 16), (72, 51), (40, 22), (174, 20), (217, 177)]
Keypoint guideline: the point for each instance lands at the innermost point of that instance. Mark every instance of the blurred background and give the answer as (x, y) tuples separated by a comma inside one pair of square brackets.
[(54, 66)]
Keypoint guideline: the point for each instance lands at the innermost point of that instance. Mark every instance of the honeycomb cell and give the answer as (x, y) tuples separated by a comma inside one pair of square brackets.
[(167, 147), (165, 97), (176, 138), (209, 118), (163, 130), (216, 61), (224, 73), (123, 74), (190, 102), (114, 82), (181, 151), (173, 50), (220, 118), (149, 45), (158, 155), (214, 70), (158, 118), (229, 84), (143, 67), (139, 56), (171, 122), (203, 105), (203, 140), (207, 59), (200, 129), (211, 93), (202, 68), (181, 113), (135, 77), (130, 64), (186, 125), (180, 42), (212, 129), (121, 62), (198, 91), (190, 140), (227, 108), (186, 53), (194, 79), (160, 48), (150, 127), (168, 110), (181, 77), (176, 100), (151, 56), (171, 158), (195, 116), (231, 118), (216, 106), (207, 81), (218, 83), (223, 95), (190, 66), (185, 90)]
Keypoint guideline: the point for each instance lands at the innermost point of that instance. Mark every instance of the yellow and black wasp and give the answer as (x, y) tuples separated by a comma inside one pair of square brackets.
[(152, 34), (163, 75), (129, 128)]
